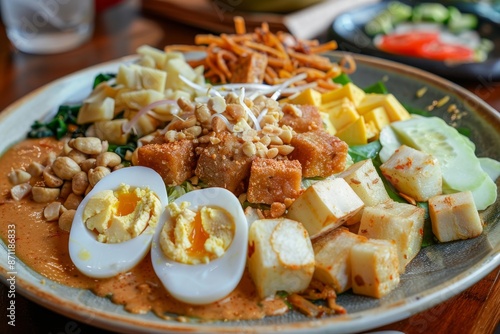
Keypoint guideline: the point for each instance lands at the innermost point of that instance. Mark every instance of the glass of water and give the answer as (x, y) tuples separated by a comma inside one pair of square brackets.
[(48, 26)]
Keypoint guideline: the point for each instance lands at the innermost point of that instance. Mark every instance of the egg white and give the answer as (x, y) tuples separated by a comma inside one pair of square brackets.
[(204, 283), (102, 260)]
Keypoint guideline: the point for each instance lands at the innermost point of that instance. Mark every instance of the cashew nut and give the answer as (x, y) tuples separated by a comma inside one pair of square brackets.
[(108, 159), (52, 211), (88, 164), (77, 156), (35, 169), (80, 183), (72, 201), (20, 191), (66, 220), (88, 145), (65, 168), (51, 180), (45, 195), (18, 176), (96, 174)]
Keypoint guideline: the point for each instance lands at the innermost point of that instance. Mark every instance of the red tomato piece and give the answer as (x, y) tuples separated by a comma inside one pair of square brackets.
[(408, 43), (445, 51)]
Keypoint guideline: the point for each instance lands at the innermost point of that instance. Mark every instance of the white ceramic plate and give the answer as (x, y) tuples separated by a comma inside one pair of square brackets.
[(436, 274)]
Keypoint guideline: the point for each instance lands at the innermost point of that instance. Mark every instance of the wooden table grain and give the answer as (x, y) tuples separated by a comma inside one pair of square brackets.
[(119, 31)]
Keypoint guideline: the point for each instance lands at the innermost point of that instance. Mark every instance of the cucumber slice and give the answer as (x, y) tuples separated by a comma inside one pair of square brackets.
[(460, 166), (390, 143), (484, 195), (491, 167)]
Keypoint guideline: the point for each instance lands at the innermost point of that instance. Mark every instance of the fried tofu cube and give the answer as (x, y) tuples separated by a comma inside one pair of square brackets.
[(223, 163), (301, 118), (399, 222), (250, 68), (280, 256), (454, 217), (319, 153), (414, 173), (332, 258), (174, 161), (325, 205), (274, 180), (374, 268)]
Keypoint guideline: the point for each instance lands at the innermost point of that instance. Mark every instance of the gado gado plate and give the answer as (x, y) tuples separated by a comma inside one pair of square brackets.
[(436, 274)]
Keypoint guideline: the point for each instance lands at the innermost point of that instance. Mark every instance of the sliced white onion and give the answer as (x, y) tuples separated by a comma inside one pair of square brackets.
[(224, 119), (248, 111), (130, 124)]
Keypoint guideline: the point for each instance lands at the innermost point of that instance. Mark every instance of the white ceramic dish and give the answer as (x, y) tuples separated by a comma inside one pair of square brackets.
[(438, 273)]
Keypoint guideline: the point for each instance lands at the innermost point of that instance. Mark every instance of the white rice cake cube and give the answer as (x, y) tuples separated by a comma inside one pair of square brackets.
[(454, 217), (325, 205), (400, 222), (363, 178), (332, 257), (375, 268), (414, 173), (280, 256)]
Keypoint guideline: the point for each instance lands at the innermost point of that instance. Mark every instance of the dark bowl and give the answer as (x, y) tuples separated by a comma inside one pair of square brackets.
[(348, 30)]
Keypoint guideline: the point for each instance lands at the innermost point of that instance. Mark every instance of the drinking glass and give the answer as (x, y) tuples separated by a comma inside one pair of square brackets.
[(48, 26)]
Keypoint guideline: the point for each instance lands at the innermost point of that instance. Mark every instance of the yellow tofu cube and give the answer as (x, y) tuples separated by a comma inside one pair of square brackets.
[(325, 205), (332, 104), (332, 258), (349, 90), (394, 109), (374, 266), (343, 114), (280, 256), (308, 96), (327, 124), (399, 222), (371, 130), (454, 217), (355, 133), (378, 117)]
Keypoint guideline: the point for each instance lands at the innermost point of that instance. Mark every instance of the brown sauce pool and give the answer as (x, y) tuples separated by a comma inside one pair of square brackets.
[(43, 246)]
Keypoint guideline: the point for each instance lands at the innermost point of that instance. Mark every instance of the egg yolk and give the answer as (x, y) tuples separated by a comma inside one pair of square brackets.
[(197, 238), (126, 203)]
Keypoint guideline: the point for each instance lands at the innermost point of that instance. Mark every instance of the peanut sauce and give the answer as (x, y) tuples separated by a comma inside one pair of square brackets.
[(43, 246)]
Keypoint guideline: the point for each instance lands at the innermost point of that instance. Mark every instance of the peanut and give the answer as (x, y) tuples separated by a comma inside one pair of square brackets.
[(45, 195)]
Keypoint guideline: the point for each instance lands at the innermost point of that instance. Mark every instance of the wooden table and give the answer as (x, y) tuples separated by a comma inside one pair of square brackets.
[(119, 31)]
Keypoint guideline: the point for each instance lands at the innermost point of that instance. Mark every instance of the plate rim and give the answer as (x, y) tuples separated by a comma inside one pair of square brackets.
[(369, 318)]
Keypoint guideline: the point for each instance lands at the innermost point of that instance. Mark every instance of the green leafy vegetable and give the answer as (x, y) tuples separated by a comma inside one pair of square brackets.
[(342, 79), (417, 111), (428, 238), (377, 88), (121, 150), (174, 192), (100, 78), (59, 125)]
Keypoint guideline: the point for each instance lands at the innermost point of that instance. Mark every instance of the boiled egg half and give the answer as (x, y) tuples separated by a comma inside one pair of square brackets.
[(199, 269), (114, 224)]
